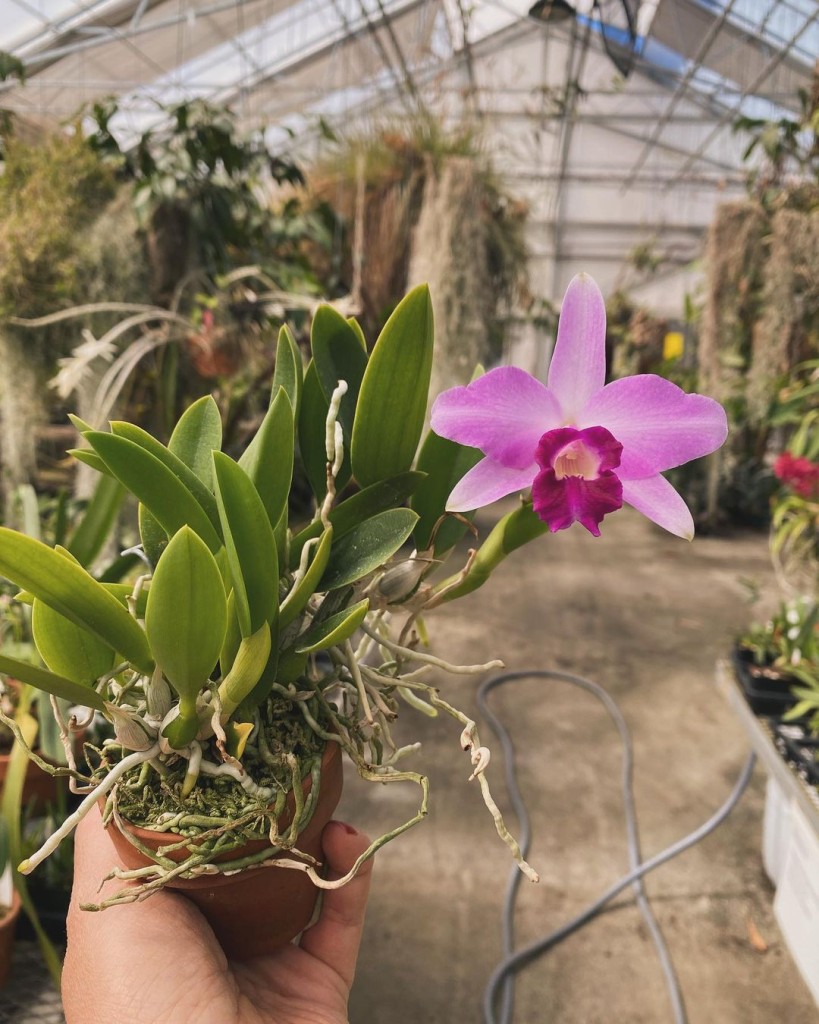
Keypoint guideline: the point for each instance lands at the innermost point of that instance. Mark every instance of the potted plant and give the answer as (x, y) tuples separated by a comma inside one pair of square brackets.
[(253, 652), (777, 662)]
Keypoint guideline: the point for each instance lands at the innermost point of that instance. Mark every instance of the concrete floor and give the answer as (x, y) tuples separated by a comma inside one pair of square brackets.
[(646, 615)]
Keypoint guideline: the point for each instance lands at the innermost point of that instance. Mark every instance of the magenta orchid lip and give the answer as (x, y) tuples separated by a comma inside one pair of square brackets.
[(622, 436)]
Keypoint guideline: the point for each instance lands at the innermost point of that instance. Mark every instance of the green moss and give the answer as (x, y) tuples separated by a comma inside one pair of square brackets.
[(222, 798)]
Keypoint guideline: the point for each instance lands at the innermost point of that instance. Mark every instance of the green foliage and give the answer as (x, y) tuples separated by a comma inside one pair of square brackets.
[(312, 431), (268, 459), (367, 546), (61, 584), (157, 486), (50, 682), (787, 145), (196, 436), (250, 544), (390, 414), (197, 170), (186, 615), (788, 643), (48, 192), (67, 649), (289, 372), (333, 630), (338, 355)]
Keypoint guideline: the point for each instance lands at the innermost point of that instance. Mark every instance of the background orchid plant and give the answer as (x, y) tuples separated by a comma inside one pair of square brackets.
[(250, 641)]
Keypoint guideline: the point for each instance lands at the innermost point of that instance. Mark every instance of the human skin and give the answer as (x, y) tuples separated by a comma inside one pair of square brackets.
[(158, 962)]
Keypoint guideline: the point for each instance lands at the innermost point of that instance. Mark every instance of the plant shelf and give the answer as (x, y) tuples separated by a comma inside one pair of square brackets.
[(790, 840)]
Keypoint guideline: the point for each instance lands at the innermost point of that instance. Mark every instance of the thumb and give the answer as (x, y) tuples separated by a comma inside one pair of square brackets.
[(335, 938)]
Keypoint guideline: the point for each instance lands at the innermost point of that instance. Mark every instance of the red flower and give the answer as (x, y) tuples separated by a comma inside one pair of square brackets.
[(798, 473)]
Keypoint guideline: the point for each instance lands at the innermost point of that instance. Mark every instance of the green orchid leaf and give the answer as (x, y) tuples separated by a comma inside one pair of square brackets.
[(97, 521), (121, 591), (186, 476), (804, 707), (268, 459), (154, 538), (67, 588), (312, 432), (233, 636), (79, 425), (358, 507), (359, 332), (296, 601), (338, 355), (250, 544), (90, 458), (67, 649), (156, 486), (367, 546), (289, 371), (444, 462), (198, 433), (186, 614), (393, 399), (334, 630), (248, 666), (49, 682), (280, 532)]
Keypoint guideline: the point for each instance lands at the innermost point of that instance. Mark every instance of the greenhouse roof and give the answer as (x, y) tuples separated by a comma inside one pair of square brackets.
[(285, 62)]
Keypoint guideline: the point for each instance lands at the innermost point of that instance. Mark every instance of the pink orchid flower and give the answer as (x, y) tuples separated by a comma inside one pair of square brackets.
[(583, 446)]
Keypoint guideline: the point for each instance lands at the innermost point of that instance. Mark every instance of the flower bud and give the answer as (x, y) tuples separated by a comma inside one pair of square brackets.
[(401, 580)]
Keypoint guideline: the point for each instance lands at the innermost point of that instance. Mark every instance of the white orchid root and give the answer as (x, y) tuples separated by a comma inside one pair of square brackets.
[(71, 822)]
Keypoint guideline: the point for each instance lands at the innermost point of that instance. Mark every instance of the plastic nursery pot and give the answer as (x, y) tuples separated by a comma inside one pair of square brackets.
[(766, 692), (8, 923), (257, 910)]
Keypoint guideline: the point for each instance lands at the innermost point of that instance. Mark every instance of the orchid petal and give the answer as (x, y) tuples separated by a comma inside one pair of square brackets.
[(578, 366), (486, 482), (559, 503), (658, 501), (658, 424), (504, 413)]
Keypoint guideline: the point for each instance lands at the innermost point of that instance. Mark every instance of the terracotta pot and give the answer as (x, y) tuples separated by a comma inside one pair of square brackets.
[(8, 923), (258, 910), (39, 788)]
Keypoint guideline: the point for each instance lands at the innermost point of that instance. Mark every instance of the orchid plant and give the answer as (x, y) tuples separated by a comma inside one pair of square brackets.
[(249, 642)]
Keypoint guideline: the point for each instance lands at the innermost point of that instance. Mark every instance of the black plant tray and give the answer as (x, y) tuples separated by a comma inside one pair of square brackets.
[(766, 695)]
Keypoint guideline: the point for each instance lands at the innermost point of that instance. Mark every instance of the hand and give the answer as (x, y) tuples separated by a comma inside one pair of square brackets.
[(158, 962)]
